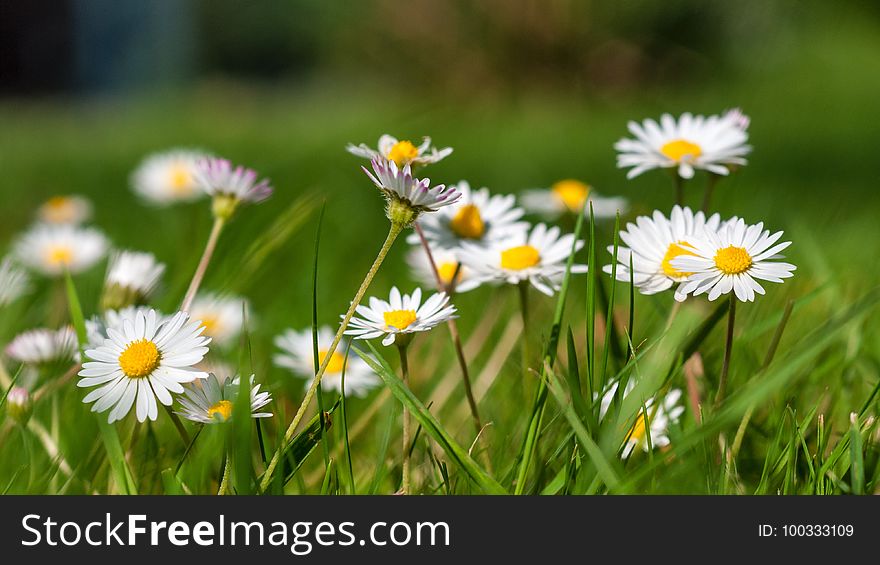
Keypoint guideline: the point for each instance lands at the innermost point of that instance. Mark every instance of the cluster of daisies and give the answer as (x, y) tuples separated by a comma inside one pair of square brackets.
[(134, 356)]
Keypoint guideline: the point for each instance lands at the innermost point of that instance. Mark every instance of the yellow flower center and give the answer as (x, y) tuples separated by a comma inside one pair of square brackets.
[(337, 361), (59, 255), (139, 359), (675, 250), (468, 223), (680, 148), (222, 408), (211, 325), (447, 271), (180, 180), (403, 152), (637, 432), (57, 202), (400, 319), (573, 193), (519, 257), (733, 260)]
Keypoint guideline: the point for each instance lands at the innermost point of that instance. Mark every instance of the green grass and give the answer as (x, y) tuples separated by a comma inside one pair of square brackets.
[(812, 174)]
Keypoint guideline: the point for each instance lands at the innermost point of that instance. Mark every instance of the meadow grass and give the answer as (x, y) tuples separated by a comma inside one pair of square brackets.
[(805, 357)]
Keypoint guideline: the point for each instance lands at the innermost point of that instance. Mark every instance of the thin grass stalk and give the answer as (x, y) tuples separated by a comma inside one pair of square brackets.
[(406, 482), (728, 350), (202, 267), (393, 232), (316, 355)]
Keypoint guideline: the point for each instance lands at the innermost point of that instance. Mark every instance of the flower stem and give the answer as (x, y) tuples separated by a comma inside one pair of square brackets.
[(710, 188), (203, 264), (728, 348), (679, 188), (453, 330), (406, 486), (224, 482), (395, 230)]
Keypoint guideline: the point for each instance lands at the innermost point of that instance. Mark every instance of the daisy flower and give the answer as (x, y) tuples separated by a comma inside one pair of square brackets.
[(653, 242), (229, 187), (538, 257), (731, 259), (401, 152), (400, 316), (407, 196), (169, 177), (445, 261), (52, 249), (567, 197), (13, 282), (298, 356), (692, 142), (656, 422), (131, 278), (221, 316), (476, 216), (65, 210), (148, 359), (41, 346), (210, 401)]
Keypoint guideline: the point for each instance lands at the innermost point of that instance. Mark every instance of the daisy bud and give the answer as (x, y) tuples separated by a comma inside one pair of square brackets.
[(19, 405), (230, 187), (407, 196)]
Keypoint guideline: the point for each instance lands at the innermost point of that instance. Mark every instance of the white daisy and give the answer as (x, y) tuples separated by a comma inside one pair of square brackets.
[(476, 216), (131, 278), (218, 179), (693, 142), (402, 314), (13, 282), (147, 360), (65, 210), (52, 249), (96, 326), (445, 261), (660, 416), (298, 356), (401, 152), (731, 259), (538, 257), (210, 401), (221, 316), (41, 346), (168, 177), (406, 194), (653, 242), (567, 197)]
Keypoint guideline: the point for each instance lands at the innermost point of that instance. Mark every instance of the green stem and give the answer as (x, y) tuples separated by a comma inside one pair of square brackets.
[(523, 287), (393, 232), (224, 482), (196, 281), (406, 483), (710, 188), (728, 349), (679, 188)]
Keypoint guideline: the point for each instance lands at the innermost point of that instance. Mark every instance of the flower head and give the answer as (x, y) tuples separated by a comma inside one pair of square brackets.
[(407, 197), (446, 262), (19, 404), (731, 259), (42, 346), (65, 210), (655, 422), (401, 152), (230, 186), (297, 355), (653, 242), (211, 401), (221, 316), (131, 278), (13, 282), (538, 257), (53, 249), (568, 196), (169, 177), (476, 217), (148, 359), (692, 142), (400, 315)]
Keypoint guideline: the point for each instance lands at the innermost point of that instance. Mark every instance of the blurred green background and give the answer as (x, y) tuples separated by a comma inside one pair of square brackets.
[(527, 92)]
